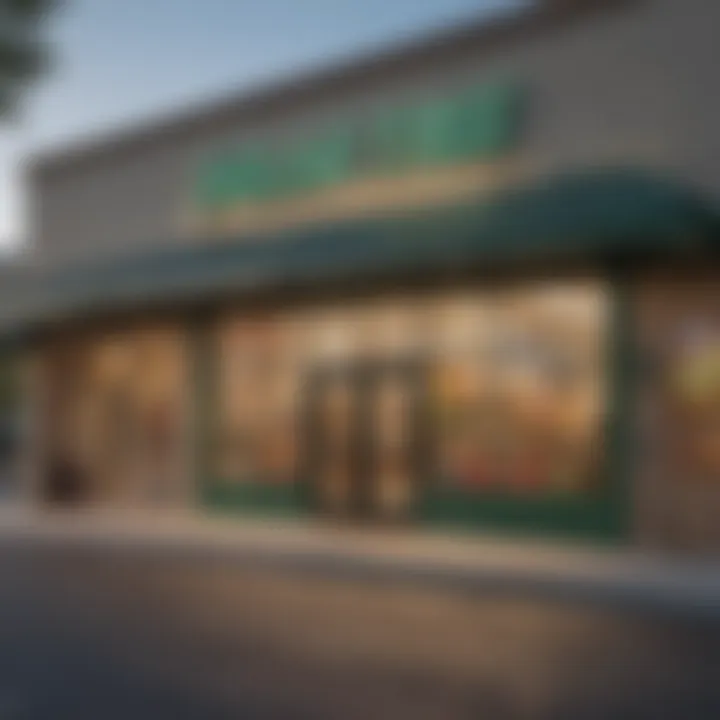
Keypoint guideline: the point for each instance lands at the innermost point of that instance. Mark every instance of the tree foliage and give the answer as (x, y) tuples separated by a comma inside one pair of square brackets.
[(23, 51)]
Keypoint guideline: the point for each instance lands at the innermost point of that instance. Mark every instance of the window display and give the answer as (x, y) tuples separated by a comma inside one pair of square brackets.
[(516, 380), (257, 396), (693, 379), (118, 420), (519, 399)]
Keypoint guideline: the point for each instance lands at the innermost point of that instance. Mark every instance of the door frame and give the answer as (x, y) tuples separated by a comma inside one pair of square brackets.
[(363, 374)]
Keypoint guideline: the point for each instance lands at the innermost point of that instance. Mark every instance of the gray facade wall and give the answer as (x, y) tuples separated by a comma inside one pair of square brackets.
[(634, 84)]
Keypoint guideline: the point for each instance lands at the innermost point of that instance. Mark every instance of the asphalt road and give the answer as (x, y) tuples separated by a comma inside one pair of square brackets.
[(105, 635)]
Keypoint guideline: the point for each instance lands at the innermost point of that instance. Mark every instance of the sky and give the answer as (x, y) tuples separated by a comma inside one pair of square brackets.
[(119, 62)]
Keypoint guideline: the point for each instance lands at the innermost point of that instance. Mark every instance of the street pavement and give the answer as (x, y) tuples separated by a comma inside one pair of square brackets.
[(619, 576), (88, 631)]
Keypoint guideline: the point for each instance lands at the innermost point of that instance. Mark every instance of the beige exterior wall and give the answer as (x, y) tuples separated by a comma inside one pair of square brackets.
[(631, 83)]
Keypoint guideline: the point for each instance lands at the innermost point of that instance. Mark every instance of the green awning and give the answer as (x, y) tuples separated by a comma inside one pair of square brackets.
[(589, 216)]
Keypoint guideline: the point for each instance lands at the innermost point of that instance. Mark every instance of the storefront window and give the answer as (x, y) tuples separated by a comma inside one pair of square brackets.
[(117, 418), (516, 380), (693, 381), (257, 397), (519, 391)]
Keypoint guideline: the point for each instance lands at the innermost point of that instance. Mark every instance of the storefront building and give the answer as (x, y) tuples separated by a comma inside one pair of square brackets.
[(472, 282)]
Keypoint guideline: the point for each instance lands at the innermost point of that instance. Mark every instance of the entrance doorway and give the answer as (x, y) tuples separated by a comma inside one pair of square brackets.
[(365, 439)]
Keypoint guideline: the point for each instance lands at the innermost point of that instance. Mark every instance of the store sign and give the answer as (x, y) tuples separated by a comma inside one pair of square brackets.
[(476, 125)]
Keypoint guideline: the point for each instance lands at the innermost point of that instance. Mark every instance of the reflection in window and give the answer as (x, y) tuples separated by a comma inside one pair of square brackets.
[(257, 395), (521, 410)]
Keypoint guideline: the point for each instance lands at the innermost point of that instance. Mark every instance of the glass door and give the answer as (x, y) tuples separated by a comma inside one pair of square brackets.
[(331, 431), (364, 440), (395, 447)]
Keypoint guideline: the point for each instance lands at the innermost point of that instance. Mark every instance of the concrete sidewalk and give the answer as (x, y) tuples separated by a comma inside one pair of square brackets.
[(476, 563)]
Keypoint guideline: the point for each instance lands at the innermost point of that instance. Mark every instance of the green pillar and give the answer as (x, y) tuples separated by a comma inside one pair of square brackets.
[(620, 432)]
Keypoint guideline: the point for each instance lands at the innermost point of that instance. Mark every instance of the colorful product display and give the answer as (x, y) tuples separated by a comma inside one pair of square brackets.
[(516, 387)]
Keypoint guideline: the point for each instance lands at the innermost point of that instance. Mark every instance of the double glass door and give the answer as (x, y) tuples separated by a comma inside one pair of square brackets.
[(364, 444)]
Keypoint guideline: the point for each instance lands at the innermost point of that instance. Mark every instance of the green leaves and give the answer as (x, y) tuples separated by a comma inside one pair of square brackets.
[(27, 8), (22, 60), (23, 53)]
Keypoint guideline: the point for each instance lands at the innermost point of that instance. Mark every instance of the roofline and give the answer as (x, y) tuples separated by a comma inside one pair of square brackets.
[(457, 39)]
